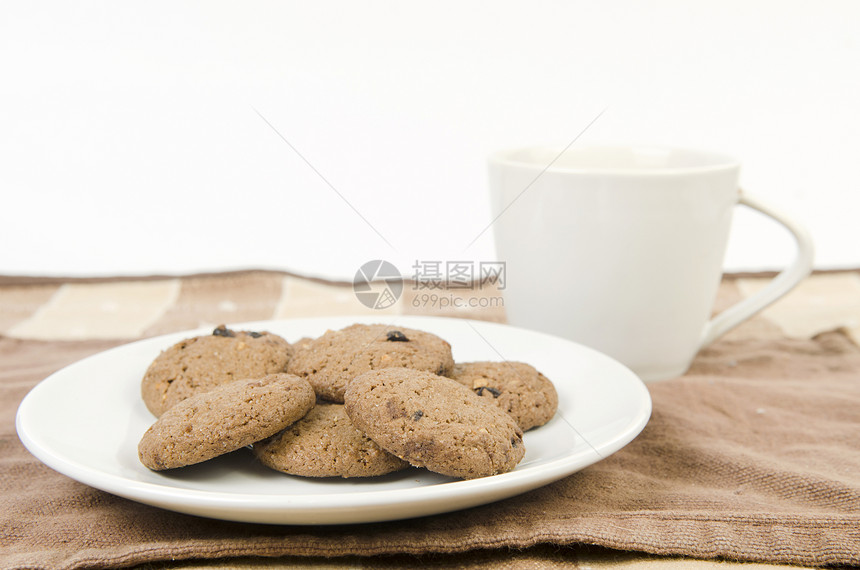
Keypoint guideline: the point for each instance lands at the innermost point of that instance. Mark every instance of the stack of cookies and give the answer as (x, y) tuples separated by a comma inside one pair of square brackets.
[(362, 401)]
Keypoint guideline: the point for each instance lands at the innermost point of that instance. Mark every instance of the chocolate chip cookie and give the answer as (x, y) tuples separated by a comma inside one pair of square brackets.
[(224, 419), (201, 363), (434, 422), (331, 361), (516, 387), (325, 443)]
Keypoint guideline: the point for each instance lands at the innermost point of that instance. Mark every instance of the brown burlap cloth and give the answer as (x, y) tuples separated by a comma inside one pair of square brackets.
[(753, 455)]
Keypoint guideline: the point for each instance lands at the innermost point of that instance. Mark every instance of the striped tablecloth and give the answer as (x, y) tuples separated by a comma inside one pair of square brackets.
[(751, 456)]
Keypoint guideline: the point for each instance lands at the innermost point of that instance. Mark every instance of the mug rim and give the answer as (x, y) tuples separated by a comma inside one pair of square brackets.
[(711, 161)]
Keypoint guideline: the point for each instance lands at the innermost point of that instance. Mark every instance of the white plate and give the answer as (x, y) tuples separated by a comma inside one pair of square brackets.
[(85, 421)]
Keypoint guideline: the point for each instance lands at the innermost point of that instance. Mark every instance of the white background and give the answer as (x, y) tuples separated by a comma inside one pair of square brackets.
[(132, 142)]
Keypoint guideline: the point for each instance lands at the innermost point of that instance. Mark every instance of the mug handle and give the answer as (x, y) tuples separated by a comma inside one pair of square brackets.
[(779, 286)]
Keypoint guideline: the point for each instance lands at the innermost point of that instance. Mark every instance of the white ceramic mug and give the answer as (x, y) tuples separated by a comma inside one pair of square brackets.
[(621, 248)]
